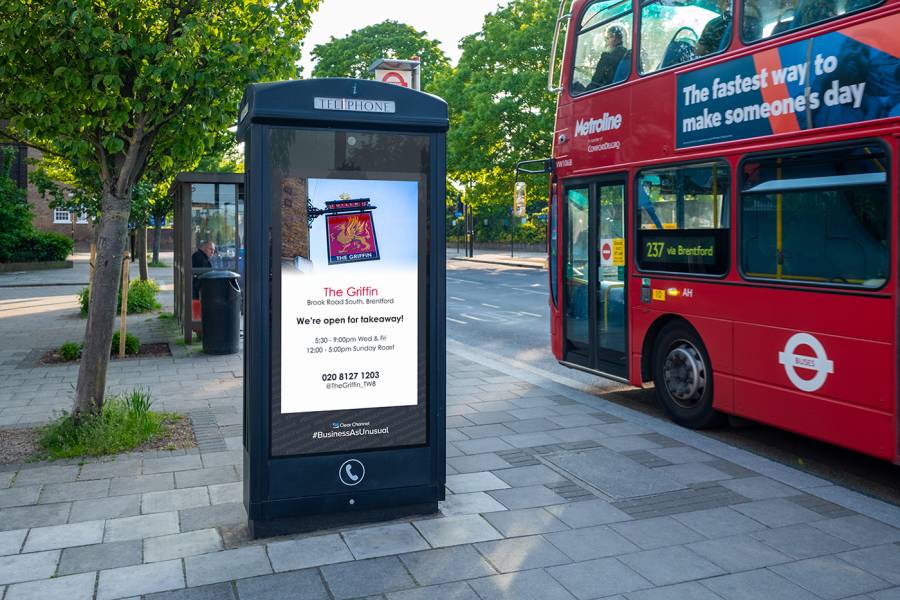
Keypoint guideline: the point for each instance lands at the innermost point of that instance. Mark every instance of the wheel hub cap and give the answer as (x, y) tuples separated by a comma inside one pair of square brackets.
[(685, 374)]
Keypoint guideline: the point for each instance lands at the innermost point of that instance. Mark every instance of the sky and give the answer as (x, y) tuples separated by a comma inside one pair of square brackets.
[(444, 21)]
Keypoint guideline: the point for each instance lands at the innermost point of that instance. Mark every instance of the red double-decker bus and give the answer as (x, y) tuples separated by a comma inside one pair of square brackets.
[(723, 212)]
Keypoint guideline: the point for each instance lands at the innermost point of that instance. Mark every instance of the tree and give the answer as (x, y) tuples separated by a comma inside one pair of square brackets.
[(15, 214), (350, 56), (217, 154), (109, 85), (500, 110)]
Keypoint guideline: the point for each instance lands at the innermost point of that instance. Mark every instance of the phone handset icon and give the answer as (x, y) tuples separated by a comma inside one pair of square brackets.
[(351, 472)]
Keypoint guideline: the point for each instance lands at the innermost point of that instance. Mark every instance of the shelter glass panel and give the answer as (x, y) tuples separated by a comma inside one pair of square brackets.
[(214, 226)]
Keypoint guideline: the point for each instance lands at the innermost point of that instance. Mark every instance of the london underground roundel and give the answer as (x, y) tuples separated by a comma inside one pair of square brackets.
[(818, 363), (395, 78)]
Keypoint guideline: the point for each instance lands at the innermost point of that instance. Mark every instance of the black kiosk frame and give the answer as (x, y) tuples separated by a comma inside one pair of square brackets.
[(363, 439)]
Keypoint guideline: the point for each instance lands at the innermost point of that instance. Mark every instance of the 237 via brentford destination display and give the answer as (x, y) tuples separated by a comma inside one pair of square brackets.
[(344, 319)]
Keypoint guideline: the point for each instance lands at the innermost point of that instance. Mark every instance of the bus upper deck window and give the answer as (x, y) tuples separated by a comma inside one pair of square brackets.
[(603, 46), (766, 18), (679, 31)]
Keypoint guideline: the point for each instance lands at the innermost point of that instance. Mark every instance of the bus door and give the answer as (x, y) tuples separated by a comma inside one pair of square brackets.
[(594, 294)]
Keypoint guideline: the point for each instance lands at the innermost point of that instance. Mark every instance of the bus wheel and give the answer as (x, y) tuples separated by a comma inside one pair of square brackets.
[(683, 378)]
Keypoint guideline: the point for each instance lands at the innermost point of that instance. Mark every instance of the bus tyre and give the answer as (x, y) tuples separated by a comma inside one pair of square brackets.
[(683, 377)]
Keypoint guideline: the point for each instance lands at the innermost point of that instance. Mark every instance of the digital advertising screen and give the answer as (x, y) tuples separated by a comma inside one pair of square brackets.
[(349, 341)]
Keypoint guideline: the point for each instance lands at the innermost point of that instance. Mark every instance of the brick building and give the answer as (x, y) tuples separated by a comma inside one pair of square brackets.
[(45, 218)]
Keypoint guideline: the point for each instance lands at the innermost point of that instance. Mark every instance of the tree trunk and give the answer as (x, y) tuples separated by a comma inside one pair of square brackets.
[(111, 238), (95, 230), (157, 232), (142, 251)]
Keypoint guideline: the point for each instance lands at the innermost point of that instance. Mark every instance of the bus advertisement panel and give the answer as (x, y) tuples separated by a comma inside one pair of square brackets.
[(841, 77)]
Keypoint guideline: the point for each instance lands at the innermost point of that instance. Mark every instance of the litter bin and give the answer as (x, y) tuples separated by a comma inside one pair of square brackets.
[(220, 311)]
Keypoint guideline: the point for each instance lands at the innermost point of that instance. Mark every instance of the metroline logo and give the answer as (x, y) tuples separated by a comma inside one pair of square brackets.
[(604, 123)]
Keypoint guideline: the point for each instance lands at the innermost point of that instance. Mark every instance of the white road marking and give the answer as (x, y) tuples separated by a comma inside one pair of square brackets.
[(457, 299), (489, 305), (542, 293), (522, 312), (474, 318), (456, 320)]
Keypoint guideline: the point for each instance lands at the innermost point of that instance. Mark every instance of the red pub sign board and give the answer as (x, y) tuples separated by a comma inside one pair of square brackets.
[(351, 236)]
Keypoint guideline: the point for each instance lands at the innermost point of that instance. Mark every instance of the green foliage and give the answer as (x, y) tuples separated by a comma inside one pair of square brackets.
[(119, 87), (70, 351), (350, 56), (84, 299), (124, 423), (15, 214), (115, 85), (157, 264), (142, 296), (59, 184), (19, 241), (500, 109), (501, 113), (40, 246), (132, 344)]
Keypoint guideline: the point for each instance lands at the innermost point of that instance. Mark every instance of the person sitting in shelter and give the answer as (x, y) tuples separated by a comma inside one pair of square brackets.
[(201, 259), (713, 38), (610, 58)]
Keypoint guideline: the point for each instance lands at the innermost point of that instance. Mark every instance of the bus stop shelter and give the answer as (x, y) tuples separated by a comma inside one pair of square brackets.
[(209, 214)]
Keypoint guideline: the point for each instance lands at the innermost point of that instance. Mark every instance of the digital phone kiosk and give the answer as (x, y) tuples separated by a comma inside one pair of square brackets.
[(344, 357)]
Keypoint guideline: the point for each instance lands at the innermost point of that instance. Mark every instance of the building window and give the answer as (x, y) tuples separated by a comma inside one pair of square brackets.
[(61, 215), (683, 219), (817, 217), (82, 218)]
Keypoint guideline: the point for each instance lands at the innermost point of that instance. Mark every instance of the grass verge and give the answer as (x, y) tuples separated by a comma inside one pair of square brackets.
[(125, 423)]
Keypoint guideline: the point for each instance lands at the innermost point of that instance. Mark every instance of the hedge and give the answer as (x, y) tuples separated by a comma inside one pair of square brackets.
[(37, 246)]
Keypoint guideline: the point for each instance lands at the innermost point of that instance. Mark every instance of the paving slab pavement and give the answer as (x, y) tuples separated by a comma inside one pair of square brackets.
[(530, 260), (39, 311), (552, 493)]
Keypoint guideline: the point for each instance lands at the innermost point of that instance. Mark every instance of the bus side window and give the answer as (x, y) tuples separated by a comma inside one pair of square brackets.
[(603, 46), (817, 217), (683, 219), (678, 31), (767, 18)]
